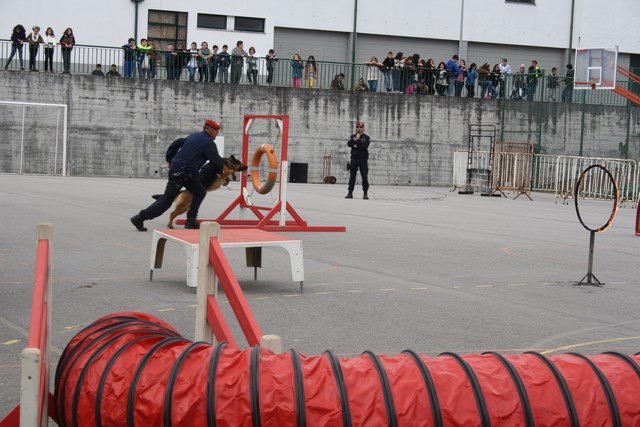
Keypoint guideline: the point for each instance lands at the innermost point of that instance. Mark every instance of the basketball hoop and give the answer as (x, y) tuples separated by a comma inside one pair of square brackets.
[(592, 84)]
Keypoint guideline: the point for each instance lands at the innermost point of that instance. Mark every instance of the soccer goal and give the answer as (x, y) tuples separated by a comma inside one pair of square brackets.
[(35, 138)]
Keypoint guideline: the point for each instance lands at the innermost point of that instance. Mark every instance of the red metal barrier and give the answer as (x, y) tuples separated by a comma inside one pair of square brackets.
[(133, 369)]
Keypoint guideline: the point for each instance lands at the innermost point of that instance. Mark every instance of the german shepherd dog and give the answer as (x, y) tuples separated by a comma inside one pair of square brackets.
[(209, 180)]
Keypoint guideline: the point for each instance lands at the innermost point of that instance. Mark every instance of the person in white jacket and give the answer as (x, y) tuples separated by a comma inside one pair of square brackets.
[(505, 69), (49, 45)]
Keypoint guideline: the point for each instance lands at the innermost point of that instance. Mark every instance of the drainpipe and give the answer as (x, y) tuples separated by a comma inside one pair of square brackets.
[(573, 7), (462, 51), (354, 37), (135, 23)]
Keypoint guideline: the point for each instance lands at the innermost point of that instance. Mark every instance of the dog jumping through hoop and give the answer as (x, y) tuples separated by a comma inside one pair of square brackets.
[(186, 157)]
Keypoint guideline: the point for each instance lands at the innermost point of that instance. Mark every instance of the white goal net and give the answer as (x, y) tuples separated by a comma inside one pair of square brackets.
[(34, 138)]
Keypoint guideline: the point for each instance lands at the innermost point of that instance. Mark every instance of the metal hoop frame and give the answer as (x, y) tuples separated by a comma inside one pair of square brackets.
[(615, 198)]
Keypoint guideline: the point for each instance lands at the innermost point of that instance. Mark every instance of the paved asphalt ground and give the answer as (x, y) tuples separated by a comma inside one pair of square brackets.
[(419, 268)]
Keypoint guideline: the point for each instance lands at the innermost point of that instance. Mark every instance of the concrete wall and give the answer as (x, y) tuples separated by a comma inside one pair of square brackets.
[(122, 127)]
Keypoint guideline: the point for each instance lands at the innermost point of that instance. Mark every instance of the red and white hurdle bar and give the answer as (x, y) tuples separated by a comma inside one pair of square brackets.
[(35, 399)]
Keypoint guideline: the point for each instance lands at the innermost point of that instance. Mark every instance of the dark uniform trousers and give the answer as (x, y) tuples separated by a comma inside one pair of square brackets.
[(177, 180), (363, 165)]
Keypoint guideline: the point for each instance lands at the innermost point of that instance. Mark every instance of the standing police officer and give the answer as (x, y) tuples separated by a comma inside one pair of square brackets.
[(359, 143), (193, 153)]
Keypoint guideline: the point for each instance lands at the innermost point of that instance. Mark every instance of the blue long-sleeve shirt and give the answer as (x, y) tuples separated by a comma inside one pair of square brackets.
[(196, 150)]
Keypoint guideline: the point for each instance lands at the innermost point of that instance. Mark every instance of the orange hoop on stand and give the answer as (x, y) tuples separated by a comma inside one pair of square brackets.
[(255, 172)]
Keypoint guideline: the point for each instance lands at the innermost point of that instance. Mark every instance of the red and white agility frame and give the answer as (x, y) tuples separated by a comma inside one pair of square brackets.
[(265, 215)]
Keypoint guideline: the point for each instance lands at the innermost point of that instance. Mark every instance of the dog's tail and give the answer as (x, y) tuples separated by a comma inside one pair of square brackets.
[(156, 196)]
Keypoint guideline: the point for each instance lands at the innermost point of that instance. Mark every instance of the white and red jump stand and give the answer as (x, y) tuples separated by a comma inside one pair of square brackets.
[(266, 217)]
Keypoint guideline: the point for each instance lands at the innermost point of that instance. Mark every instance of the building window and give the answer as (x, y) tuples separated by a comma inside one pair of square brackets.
[(167, 27), (521, 1), (255, 25), (217, 22)]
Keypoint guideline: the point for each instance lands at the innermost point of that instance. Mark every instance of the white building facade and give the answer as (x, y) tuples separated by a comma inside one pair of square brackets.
[(353, 31)]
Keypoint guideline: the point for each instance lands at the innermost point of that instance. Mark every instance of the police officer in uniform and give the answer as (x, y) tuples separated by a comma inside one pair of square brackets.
[(359, 143), (192, 153)]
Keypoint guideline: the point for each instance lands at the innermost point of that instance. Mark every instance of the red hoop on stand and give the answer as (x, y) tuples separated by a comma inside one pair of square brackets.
[(281, 206)]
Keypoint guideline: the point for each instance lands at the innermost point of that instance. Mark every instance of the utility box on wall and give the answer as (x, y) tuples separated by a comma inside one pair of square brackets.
[(298, 172)]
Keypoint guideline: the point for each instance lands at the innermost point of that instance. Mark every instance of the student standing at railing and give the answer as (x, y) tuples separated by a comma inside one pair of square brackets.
[(143, 59), (129, 56), (192, 65), (519, 90), (484, 81), (552, 85), (387, 67), (398, 64), (505, 69), (430, 76), (204, 54), (372, 73), (311, 72), (271, 63), (170, 61), (238, 54), (407, 73), (496, 80), (472, 75), (567, 92), (154, 58), (459, 79), (49, 45), (67, 41), (34, 38), (296, 70), (224, 62), (252, 66), (213, 64), (18, 37), (441, 79), (182, 57), (532, 79), (452, 69)]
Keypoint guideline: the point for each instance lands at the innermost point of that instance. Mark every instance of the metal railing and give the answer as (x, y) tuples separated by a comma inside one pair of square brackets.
[(556, 174), (85, 57)]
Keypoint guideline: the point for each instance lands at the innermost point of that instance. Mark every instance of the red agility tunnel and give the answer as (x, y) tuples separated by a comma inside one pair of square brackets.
[(132, 369)]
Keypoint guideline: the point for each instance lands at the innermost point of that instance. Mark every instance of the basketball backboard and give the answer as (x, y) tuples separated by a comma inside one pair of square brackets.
[(596, 67)]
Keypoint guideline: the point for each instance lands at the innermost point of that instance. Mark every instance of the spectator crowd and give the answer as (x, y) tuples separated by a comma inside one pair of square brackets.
[(397, 73)]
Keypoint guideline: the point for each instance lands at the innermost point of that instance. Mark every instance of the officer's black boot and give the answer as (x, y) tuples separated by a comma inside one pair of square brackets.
[(365, 196), (192, 224), (138, 222), (349, 195)]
